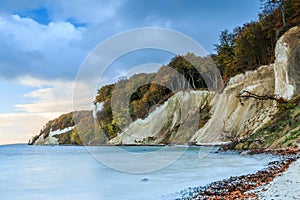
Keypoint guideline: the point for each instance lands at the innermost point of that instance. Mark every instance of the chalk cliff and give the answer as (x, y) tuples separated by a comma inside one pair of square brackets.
[(173, 122), (201, 117), (287, 64), (228, 114)]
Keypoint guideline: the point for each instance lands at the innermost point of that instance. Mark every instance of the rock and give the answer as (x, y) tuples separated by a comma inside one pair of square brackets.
[(287, 68), (239, 187), (178, 118), (228, 113), (244, 153)]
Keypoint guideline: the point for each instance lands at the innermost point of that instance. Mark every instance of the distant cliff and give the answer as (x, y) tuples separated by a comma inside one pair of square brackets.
[(70, 129), (249, 104)]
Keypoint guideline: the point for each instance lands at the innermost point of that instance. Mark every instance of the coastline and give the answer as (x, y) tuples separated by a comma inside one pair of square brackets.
[(285, 186), (250, 186), (139, 145), (263, 184)]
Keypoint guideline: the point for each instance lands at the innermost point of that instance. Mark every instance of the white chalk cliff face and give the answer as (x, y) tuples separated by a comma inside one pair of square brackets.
[(287, 64), (50, 139), (281, 78), (177, 119), (228, 113)]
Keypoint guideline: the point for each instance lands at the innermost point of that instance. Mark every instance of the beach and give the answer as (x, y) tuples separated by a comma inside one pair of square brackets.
[(279, 180), (284, 186)]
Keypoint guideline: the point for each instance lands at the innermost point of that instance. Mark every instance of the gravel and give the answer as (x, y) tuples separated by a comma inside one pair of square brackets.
[(284, 186)]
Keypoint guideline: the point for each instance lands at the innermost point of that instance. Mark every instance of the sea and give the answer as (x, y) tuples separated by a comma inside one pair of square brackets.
[(85, 173)]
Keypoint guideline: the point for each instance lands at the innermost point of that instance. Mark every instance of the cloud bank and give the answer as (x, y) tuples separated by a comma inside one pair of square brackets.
[(46, 51), (44, 43)]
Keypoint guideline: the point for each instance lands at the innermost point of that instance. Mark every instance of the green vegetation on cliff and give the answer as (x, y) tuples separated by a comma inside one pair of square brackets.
[(244, 48), (281, 132), (253, 44), (84, 122), (178, 75)]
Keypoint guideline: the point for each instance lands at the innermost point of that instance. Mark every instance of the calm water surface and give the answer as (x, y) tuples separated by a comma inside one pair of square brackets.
[(70, 172)]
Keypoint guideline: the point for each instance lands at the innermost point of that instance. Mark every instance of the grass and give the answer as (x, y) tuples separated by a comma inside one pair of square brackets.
[(282, 131)]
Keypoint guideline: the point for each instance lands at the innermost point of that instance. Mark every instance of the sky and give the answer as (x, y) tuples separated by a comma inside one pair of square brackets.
[(43, 43)]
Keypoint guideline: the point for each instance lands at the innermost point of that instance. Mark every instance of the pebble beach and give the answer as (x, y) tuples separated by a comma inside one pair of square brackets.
[(279, 180)]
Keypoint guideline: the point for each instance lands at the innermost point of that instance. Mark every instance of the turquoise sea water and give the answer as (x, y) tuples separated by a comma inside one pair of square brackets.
[(71, 172)]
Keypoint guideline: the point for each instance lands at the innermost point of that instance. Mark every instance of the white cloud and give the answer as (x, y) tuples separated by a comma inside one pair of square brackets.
[(41, 50), (20, 127), (51, 96), (30, 35), (50, 100), (56, 95), (88, 11), (32, 82)]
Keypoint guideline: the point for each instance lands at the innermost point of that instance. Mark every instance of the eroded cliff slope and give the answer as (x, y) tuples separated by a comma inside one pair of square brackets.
[(233, 112), (202, 117)]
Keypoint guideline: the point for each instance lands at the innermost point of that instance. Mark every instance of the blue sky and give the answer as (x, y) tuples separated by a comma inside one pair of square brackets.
[(43, 43)]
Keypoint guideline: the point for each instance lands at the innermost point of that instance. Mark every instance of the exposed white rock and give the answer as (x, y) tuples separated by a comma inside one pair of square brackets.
[(287, 67), (61, 131), (228, 113), (179, 116), (97, 108), (177, 120), (245, 117), (50, 140), (250, 88), (281, 78)]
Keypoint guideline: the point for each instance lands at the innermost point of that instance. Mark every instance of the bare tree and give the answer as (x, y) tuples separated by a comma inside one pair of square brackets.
[(231, 135), (246, 94), (234, 135)]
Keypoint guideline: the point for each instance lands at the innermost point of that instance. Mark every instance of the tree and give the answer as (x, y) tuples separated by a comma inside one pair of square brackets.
[(104, 93), (225, 58), (269, 6), (252, 47)]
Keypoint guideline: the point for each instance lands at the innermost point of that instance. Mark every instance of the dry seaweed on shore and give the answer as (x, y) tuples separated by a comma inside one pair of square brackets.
[(239, 187)]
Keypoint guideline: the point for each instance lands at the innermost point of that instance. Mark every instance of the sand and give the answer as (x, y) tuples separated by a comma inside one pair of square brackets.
[(284, 186)]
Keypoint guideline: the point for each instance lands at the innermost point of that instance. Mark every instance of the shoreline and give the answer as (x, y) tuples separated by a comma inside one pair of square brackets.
[(131, 145), (248, 186), (285, 186)]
